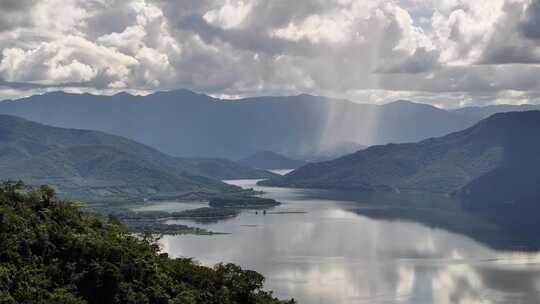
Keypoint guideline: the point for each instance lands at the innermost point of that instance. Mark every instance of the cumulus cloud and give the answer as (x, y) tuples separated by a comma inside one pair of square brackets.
[(367, 50), (63, 47), (72, 59), (230, 15)]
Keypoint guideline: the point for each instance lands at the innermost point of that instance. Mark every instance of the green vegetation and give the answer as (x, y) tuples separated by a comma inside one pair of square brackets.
[(220, 208), (199, 196), (160, 228), (206, 212), (52, 252), (94, 166), (153, 221), (497, 160), (242, 202)]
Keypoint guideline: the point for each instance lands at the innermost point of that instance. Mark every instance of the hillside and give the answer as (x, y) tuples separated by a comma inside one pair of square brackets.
[(93, 165), (270, 160), (500, 154), (52, 252), (186, 124), (329, 153)]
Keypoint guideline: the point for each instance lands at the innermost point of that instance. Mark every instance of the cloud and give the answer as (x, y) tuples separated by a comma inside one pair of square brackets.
[(13, 14), (72, 59), (363, 49), (421, 61), (60, 52), (530, 26), (514, 41), (230, 15)]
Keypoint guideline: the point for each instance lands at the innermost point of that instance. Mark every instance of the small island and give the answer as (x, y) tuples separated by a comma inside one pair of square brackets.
[(225, 206), (161, 228), (154, 221), (242, 202), (206, 213)]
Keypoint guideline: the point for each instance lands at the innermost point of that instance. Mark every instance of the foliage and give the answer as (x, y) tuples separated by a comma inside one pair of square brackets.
[(52, 252), (95, 166)]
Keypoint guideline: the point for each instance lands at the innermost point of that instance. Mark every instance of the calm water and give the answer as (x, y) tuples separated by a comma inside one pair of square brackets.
[(333, 255)]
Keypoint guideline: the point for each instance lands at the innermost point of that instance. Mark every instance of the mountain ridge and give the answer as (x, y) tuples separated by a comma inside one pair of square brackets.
[(456, 163), (191, 124), (234, 129), (271, 160), (84, 164)]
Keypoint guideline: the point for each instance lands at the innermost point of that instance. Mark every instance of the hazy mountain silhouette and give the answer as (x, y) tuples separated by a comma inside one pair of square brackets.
[(327, 152), (271, 160), (92, 165), (183, 123), (496, 160), (478, 113)]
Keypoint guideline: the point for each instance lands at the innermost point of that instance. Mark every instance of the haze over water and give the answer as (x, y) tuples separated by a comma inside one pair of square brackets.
[(333, 255)]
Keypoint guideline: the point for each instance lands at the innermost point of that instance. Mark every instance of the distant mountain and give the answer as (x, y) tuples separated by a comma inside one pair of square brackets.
[(93, 165), (478, 113), (328, 153), (183, 123), (222, 169), (271, 160), (496, 160)]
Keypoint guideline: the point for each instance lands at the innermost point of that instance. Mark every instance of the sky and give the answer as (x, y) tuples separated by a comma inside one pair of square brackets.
[(449, 53)]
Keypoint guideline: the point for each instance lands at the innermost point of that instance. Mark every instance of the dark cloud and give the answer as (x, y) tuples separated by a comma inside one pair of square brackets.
[(510, 55), (15, 13), (421, 61), (530, 27), (513, 38), (11, 6)]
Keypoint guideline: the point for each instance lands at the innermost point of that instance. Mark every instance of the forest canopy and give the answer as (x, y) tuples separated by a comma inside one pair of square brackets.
[(54, 252)]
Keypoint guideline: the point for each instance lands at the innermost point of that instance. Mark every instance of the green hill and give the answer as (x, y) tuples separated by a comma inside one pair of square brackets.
[(51, 252), (497, 160), (92, 165)]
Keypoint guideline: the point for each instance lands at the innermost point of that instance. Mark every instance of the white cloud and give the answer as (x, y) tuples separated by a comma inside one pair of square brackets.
[(462, 29), (230, 15), (411, 48), (72, 59), (317, 29)]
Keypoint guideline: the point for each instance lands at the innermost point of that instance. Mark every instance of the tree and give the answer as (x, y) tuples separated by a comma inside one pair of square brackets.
[(52, 252)]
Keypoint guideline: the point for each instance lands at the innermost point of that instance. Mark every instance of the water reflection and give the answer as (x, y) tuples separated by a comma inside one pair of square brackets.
[(333, 254)]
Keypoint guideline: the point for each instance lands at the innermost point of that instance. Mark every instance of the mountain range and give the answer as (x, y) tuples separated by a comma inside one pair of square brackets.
[(92, 165), (184, 123), (495, 161), (271, 160)]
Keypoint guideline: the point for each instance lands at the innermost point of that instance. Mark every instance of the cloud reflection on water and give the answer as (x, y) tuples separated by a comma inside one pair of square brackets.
[(330, 255)]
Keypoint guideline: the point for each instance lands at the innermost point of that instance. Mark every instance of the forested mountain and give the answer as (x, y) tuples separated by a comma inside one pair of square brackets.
[(271, 160), (497, 159), (184, 123), (91, 165), (52, 252)]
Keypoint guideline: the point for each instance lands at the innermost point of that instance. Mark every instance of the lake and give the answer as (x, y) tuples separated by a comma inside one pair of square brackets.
[(333, 253)]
